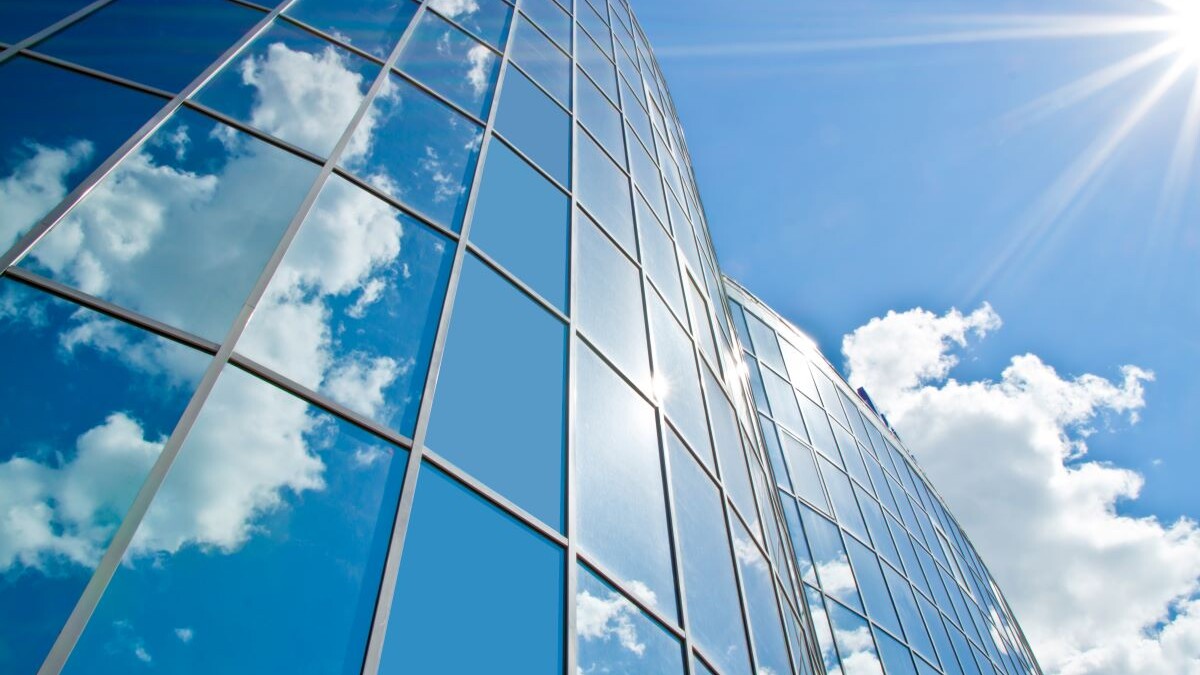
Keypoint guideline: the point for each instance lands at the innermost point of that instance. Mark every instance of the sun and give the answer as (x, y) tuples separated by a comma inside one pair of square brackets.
[(1186, 17)]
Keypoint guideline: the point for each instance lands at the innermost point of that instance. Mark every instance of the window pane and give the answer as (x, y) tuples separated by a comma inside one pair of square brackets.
[(271, 506), (646, 176), (616, 637), (499, 412), (520, 219), (910, 617), (142, 39), (770, 645), (552, 19), (623, 518), (658, 256), (851, 455), (805, 479), (610, 301), (21, 18), (596, 64), (452, 63), (604, 190), (756, 384), (601, 118), (714, 613), (766, 344), (934, 621), (877, 526), (729, 450), (702, 327), (783, 403), (874, 590), (530, 120), (353, 309), (416, 149), (44, 151), (198, 207), (830, 398), (71, 465), (293, 85), (544, 62), (842, 496), (829, 556), (854, 642), (897, 660), (594, 24), (676, 380), (798, 372), (775, 453), (819, 429), (487, 19), (373, 26), (470, 571)]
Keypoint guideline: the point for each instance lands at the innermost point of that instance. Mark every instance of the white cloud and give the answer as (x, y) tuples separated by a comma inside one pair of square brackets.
[(455, 8), (480, 58), (185, 635), (358, 381), (36, 185), (609, 617), (1097, 592)]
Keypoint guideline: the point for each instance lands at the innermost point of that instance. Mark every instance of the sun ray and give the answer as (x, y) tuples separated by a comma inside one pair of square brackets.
[(1179, 173)]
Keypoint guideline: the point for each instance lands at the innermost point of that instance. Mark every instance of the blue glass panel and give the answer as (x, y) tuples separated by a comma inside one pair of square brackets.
[(842, 496), (819, 430), (499, 412), (659, 259), (728, 442), (774, 453), (783, 403), (616, 637), (530, 120), (646, 177), (829, 557), (804, 560), (701, 668), (197, 206), (877, 527), (853, 636), (766, 344), (44, 151), (941, 639), (798, 370), (597, 26), (770, 646), (352, 310), (373, 26), (897, 660), (851, 455), (418, 150), (292, 85), (805, 479), (21, 18), (874, 590), (601, 118), (609, 301), (714, 614), (622, 508), (596, 64), (452, 63), (71, 463), (881, 484), (487, 19), (142, 39), (472, 573), (676, 380), (552, 19), (272, 507), (910, 617), (702, 327), (830, 398), (521, 220), (965, 660), (820, 619), (756, 384), (545, 63), (603, 189)]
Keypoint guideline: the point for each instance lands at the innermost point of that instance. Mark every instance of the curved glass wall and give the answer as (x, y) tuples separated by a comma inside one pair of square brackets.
[(370, 336), (890, 579)]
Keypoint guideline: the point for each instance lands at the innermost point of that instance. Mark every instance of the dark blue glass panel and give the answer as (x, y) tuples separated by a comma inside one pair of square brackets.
[(552, 19), (477, 591), (88, 403), (544, 62), (530, 120), (418, 150), (910, 616), (714, 611), (622, 507), (616, 637), (499, 412), (770, 645), (272, 523), (487, 19), (292, 85), (521, 220), (44, 150), (452, 63), (162, 44), (198, 207), (603, 189), (609, 301), (373, 26), (353, 309), (21, 18)]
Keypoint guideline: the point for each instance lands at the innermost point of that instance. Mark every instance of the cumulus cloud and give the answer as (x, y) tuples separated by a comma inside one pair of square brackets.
[(1098, 592), (455, 8), (609, 616), (36, 185)]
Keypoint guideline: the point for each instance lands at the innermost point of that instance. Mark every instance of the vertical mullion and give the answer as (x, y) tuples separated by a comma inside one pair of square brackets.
[(387, 586), (571, 573)]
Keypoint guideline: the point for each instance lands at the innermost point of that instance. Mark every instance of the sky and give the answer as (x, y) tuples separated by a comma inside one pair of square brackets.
[(996, 202)]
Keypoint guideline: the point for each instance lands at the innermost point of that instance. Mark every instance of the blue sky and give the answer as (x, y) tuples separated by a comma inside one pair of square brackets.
[(844, 182)]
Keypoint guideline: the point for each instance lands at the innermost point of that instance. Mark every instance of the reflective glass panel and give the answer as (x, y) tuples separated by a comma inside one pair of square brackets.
[(766, 344), (521, 220), (874, 590), (830, 398), (829, 556), (729, 450), (596, 26), (623, 518), (604, 191), (416, 149), (646, 176), (614, 636), (487, 19), (638, 119), (71, 464), (21, 18), (798, 372), (897, 660), (820, 618), (805, 479), (293, 85), (851, 455), (197, 206), (702, 327), (272, 507), (44, 151), (842, 496), (941, 639), (676, 380), (499, 412), (596, 64), (910, 617), (530, 120), (877, 526), (451, 62), (141, 39), (659, 259), (352, 310), (853, 636), (373, 26), (552, 19), (756, 384), (770, 646), (775, 453), (469, 569), (783, 403), (819, 430), (714, 613), (609, 309), (544, 62), (600, 118)]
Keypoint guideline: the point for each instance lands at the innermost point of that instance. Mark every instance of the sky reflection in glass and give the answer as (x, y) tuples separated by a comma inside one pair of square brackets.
[(20, 19), (609, 301), (530, 120), (452, 63), (614, 636), (676, 380), (373, 26), (537, 55)]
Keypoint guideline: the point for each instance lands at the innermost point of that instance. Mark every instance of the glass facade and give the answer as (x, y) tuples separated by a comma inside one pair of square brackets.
[(386, 336)]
